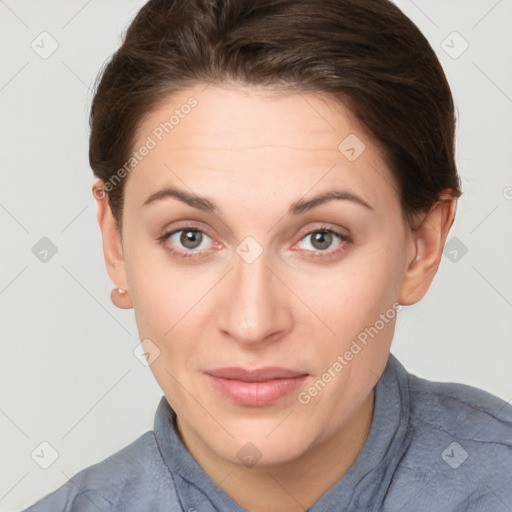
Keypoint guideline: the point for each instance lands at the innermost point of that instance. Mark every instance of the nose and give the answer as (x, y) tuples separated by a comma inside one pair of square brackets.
[(254, 308)]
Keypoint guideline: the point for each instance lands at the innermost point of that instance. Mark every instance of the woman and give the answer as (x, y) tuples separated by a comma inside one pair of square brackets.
[(276, 179)]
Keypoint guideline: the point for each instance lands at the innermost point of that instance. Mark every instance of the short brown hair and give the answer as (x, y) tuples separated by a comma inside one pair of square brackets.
[(365, 53)]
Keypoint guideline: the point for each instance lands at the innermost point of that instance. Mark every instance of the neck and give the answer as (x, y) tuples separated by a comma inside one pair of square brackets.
[(290, 487)]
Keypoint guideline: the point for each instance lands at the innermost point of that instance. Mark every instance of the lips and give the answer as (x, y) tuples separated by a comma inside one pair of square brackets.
[(255, 388), (258, 375)]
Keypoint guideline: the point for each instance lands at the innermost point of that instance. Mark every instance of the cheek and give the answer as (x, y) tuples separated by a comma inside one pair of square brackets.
[(351, 296), (172, 309), (162, 293)]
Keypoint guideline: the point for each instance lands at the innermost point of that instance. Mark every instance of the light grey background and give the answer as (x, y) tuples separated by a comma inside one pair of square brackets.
[(69, 375)]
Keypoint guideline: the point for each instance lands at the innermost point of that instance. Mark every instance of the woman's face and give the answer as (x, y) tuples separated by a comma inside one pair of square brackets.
[(258, 273)]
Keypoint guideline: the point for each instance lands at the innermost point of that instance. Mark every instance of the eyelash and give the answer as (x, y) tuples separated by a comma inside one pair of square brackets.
[(344, 242)]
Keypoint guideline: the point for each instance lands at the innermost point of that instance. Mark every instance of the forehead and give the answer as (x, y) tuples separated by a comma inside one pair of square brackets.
[(243, 116), (250, 137)]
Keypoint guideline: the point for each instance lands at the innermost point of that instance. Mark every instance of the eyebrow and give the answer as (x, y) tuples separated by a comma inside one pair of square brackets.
[(296, 208)]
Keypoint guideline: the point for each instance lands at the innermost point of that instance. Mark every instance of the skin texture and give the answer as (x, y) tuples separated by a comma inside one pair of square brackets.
[(254, 153)]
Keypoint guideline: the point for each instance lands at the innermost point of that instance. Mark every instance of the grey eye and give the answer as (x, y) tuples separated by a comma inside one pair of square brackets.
[(191, 239), (321, 239)]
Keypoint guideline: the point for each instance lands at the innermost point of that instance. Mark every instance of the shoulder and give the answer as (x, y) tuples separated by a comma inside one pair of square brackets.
[(465, 412), (136, 474), (459, 446)]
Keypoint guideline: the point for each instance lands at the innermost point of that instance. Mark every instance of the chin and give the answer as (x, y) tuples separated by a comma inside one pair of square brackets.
[(256, 448)]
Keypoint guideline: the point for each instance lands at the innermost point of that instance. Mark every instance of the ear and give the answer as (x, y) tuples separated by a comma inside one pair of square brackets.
[(112, 246), (426, 248)]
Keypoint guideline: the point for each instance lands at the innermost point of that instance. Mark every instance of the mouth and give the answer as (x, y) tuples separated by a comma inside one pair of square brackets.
[(255, 388)]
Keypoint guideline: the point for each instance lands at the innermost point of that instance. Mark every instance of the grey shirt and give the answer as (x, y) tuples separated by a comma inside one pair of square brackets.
[(432, 447)]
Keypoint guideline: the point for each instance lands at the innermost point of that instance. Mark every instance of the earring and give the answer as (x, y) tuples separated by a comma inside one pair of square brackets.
[(121, 298)]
